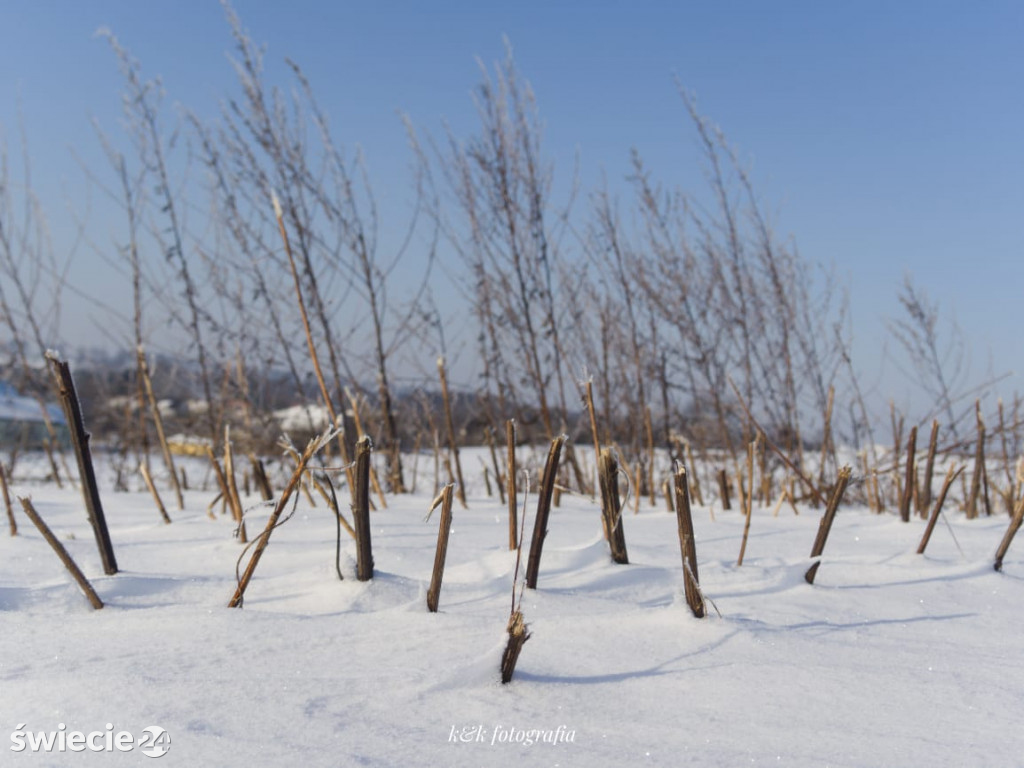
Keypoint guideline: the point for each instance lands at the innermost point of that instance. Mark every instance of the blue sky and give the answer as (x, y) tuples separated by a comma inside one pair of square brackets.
[(884, 137)]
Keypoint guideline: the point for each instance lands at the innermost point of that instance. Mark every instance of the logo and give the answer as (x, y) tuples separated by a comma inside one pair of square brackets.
[(154, 742)]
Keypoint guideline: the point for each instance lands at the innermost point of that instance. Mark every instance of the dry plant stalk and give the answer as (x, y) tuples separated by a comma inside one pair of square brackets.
[(687, 544), (1011, 531), (158, 422), (415, 462), (978, 478), (863, 455), (909, 480), (259, 476), (212, 504), (577, 471), (775, 449), (450, 422), (222, 482), (984, 476), (748, 499), (144, 471), (778, 504), (510, 473), (263, 539), (437, 461), (826, 523), (516, 627), (518, 634), (332, 503), (897, 441), (766, 475), (696, 477), (360, 433), (361, 511), (498, 479), (638, 481), (925, 496), (58, 548), (487, 478), (7, 501), (80, 440), (444, 529), (649, 430), (611, 507), (826, 440), (1010, 495), (540, 525), (591, 412), (54, 471), (950, 477), (342, 448), (723, 489), (234, 500)]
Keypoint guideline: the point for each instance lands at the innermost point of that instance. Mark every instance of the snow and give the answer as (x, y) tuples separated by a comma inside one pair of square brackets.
[(889, 659), (302, 418)]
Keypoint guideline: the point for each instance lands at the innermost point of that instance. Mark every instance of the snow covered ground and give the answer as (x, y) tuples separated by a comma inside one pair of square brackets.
[(889, 659)]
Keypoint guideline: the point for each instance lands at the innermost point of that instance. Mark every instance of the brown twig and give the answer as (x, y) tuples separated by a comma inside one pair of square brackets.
[(950, 477), (156, 494), (510, 473), (449, 421), (69, 563), (826, 523), (444, 529), (263, 539), (7, 501)]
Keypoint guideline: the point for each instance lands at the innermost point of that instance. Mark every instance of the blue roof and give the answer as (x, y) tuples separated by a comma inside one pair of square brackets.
[(15, 407)]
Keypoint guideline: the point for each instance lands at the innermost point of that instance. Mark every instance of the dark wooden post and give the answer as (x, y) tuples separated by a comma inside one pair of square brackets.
[(540, 525), (361, 511), (687, 545), (925, 496), (909, 482), (723, 489), (611, 507), (80, 440)]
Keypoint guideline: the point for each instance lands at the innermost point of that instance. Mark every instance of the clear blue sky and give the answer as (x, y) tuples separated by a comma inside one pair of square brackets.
[(884, 137)]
